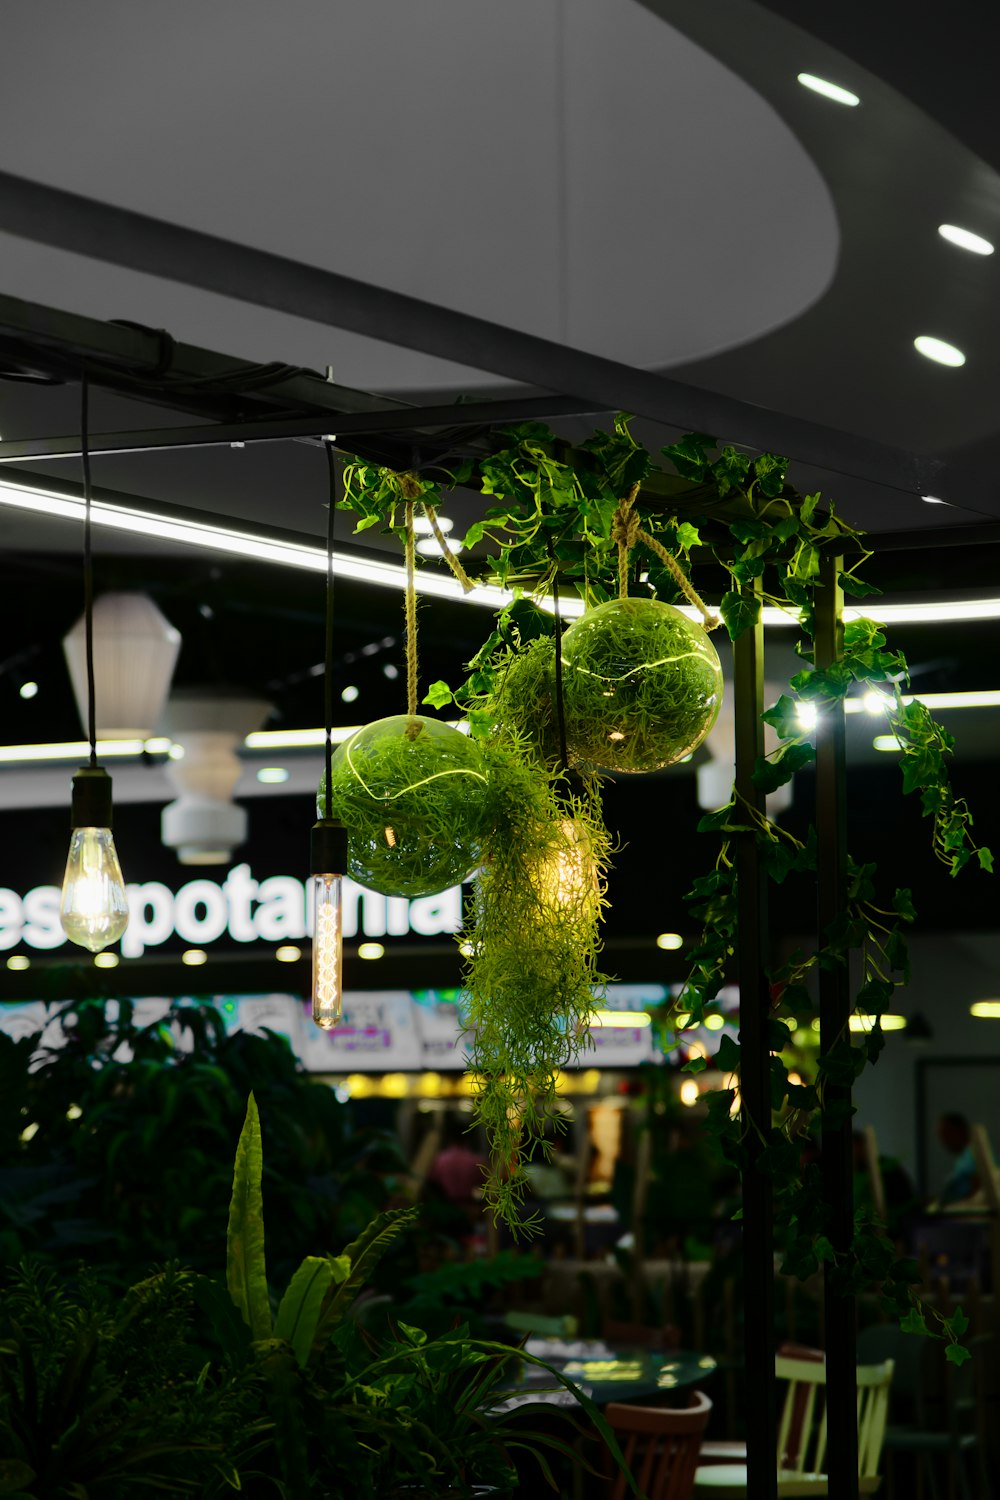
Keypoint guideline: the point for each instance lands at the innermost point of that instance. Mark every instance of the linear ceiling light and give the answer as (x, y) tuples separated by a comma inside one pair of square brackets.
[(237, 543), (828, 90), (965, 239)]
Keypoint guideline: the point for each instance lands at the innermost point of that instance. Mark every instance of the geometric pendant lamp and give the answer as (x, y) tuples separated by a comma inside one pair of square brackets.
[(135, 651)]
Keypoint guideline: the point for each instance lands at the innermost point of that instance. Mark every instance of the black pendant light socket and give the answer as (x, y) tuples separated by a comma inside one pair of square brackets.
[(91, 806), (328, 847)]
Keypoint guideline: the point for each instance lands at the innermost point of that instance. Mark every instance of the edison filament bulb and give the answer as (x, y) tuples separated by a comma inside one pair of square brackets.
[(94, 906), (328, 950)]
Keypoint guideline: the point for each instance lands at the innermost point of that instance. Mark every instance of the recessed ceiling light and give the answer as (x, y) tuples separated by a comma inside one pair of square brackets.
[(933, 500), (28, 689), (827, 89), (371, 950), (423, 527), (890, 1022), (965, 239), (937, 350), (288, 955), (988, 1010), (349, 694), (194, 956), (887, 742), (670, 941), (272, 775), (431, 547)]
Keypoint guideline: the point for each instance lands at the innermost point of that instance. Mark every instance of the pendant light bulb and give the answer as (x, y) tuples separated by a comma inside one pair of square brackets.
[(329, 858), (94, 906)]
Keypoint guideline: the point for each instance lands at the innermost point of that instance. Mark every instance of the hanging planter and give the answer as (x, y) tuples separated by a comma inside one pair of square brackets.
[(642, 686), (411, 793)]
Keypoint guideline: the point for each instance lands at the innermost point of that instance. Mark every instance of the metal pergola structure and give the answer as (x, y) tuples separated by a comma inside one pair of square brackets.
[(225, 401)]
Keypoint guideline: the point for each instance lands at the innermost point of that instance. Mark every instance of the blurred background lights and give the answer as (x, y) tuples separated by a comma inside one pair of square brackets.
[(371, 950), (272, 775), (670, 941), (194, 957), (288, 954), (28, 689)]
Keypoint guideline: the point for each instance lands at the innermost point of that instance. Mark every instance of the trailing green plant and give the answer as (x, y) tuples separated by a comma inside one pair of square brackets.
[(590, 518), (532, 976)]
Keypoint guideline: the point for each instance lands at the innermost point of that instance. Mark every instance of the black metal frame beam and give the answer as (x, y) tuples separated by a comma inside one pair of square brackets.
[(835, 1006), (755, 1081), (343, 425), (68, 221)]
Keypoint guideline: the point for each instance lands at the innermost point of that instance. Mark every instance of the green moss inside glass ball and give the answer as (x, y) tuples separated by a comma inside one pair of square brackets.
[(523, 698), (642, 685), (411, 793)]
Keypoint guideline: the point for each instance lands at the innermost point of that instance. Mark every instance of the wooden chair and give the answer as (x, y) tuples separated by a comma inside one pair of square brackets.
[(801, 1472), (726, 1452), (660, 1447)]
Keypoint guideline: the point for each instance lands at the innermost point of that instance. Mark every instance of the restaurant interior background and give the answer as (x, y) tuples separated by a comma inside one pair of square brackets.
[(671, 194)]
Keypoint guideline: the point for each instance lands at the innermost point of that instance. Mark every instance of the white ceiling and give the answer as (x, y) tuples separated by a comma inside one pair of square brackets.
[(575, 168)]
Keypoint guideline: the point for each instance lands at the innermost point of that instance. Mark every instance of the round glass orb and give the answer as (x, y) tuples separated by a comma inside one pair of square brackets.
[(642, 685), (411, 793), (523, 698)]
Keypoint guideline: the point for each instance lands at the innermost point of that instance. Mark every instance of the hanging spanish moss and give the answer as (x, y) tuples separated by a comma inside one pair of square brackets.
[(533, 977)]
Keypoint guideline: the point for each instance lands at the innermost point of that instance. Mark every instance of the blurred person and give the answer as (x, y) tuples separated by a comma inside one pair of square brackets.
[(458, 1170), (962, 1182)]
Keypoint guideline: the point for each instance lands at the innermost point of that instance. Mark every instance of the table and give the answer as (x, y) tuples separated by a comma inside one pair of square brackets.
[(606, 1373)]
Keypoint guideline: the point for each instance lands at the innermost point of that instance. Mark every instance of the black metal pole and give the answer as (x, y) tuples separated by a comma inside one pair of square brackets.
[(834, 1014), (758, 1210)]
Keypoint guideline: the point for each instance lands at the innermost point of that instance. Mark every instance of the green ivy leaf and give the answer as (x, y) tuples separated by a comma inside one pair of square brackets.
[(689, 456), (728, 1057), (985, 858), (958, 1322), (902, 904), (739, 612), (768, 775), (688, 536), (957, 1354), (784, 717), (438, 694), (695, 1065)]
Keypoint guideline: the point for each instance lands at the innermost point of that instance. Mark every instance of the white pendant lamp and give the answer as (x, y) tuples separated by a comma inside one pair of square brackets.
[(205, 825), (135, 652)]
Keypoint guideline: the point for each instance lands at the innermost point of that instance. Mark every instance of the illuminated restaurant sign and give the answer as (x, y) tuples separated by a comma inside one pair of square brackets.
[(203, 911)]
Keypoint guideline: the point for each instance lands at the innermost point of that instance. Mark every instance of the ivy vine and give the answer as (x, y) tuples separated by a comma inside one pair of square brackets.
[(552, 526)]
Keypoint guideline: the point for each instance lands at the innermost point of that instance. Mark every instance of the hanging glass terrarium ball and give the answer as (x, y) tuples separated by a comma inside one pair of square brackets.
[(642, 685), (411, 792)]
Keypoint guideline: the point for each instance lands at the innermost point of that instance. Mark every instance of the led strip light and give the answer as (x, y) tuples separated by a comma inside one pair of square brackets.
[(435, 583)]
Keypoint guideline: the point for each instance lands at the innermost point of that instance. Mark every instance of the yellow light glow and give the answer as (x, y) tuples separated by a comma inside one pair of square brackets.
[(106, 960), (371, 950), (621, 1018), (194, 957), (94, 907), (986, 1010), (796, 1079), (360, 1085), (158, 745), (890, 1022), (670, 941), (887, 742), (430, 1084), (328, 950), (19, 961), (806, 713), (689, 1093), (288, 954), (74, 1112), (30, 1131), (715, 1022), (680, 1019), (590, 1080), (395, 1086), (566, 876)]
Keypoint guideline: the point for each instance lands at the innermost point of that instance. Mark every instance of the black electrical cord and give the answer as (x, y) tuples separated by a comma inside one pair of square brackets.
[(88, 565), (328, 654)]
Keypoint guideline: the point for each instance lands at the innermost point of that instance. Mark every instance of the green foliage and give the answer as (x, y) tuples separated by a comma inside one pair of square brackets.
[(642, 686), (412, 793), (534, 940), (246, 1276), (128, 1165)]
